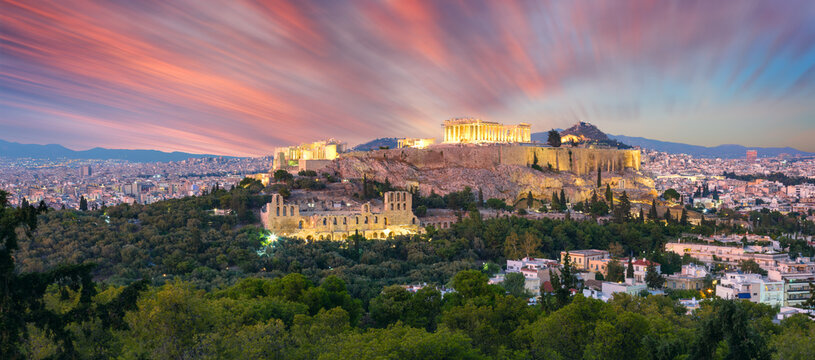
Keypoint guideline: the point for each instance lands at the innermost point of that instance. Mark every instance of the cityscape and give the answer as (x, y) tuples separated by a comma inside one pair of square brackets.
[(307, 180)]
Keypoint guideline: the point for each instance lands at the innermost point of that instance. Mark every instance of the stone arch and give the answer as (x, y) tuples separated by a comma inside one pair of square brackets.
[(374, 235), (328, 237), (309, 238), (321, 237), (382, 235)]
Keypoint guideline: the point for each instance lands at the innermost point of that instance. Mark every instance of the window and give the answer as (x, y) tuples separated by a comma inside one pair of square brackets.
[(291, 210), (376, 219), (366, 219), (278, 211), (335, 221), (325, 221)]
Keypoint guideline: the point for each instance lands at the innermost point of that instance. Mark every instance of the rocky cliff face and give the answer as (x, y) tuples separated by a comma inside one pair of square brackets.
[(496, 180)]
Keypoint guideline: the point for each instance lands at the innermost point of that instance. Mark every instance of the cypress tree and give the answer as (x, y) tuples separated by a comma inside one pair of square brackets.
[(609, 197), (598, 177), (629, 273), (652, 214), (563, 200)]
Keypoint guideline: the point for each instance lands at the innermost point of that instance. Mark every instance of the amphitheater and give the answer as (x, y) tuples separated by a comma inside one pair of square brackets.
[(373, 219)]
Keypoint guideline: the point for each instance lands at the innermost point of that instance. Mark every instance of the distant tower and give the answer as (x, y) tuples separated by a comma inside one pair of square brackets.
[(752, 155), (85, 171)]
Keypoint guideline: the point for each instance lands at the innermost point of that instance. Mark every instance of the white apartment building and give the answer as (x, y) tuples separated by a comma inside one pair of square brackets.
[(751, 287)]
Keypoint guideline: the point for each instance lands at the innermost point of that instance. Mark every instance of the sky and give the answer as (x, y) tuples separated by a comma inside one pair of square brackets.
[(239, 77)]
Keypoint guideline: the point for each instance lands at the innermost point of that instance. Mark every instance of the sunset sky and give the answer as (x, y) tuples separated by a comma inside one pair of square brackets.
[(242, 77)]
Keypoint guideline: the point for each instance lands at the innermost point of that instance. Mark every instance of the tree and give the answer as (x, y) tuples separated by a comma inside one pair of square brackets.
[(22, 294), (514, 285), (83, 204), (530, 244), (683, 220), (652, 213), (599, 177), (670, 194), (652, 278), (622, 212), (615, 271), (609, 197), (751, 267), (554, 138), (282, 175), (390, 306), (616, 249), (555, 202), (562, 200), (496, 204), (529, 200), (629, 272), (512, 246), (420, 211), (480, 198), (470, 283)]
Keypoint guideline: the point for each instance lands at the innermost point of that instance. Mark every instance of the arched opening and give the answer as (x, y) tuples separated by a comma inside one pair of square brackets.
[(344, 236), (325, 221), (366, 219), (300, 224), (374, 235), (413, 221), (284, 211), (278, 211), (382, 235), (309, 238), (328, 237), (385, 221), (335, 221), (291, 210), (391, 207), (321, 237), (345, 221), (357, 218), (376, 219)]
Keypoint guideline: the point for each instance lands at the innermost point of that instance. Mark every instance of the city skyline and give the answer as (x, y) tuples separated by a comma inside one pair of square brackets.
[(244, 78)]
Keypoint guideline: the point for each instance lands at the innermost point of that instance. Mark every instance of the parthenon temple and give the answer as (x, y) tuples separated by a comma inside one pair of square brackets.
[(472, 130)]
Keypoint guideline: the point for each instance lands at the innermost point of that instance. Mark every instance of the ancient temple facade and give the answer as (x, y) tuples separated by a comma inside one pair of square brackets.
[(477, 131), (373, 220)]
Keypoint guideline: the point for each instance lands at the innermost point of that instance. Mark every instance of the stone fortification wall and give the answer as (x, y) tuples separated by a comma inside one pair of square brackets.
[(579, 161)]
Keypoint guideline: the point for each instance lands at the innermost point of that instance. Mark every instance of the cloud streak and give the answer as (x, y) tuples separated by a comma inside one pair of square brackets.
[(242, 77)]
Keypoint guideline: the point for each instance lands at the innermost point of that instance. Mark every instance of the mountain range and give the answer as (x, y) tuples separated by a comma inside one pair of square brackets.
[(53, 151), (728, 151)]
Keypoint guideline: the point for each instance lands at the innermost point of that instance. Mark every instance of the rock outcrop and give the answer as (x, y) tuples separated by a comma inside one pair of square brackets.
[(502, 171)]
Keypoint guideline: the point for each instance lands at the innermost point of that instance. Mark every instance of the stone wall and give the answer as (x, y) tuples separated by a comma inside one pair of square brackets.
[(579, 161)]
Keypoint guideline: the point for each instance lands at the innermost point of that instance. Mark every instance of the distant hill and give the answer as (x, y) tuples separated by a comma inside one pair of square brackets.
[(376, 144), (586, 130), (52, 151), (721, 151)]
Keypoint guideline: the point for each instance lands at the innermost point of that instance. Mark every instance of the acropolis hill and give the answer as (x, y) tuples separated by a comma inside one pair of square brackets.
[(501, 170)]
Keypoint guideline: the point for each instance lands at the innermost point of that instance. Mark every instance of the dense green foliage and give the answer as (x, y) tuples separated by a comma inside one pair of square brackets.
[(215, 292)]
